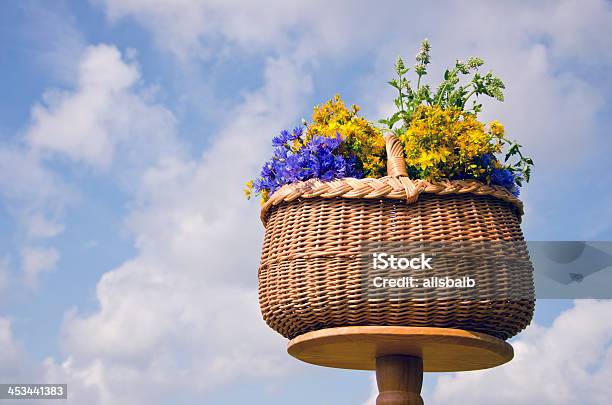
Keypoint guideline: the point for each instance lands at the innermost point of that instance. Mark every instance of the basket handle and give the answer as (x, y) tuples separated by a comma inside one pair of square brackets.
[(396, 165)]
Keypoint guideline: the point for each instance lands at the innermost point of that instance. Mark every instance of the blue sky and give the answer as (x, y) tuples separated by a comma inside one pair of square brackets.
[(128, 256)]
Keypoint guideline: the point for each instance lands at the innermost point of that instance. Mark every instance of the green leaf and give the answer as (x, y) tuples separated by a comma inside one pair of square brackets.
[(527, 174), (394, 118)]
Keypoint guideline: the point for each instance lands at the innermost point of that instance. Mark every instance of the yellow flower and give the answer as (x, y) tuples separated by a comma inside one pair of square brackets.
[(496, 129), (265, 195), (248, 191), (360, 136), (445, 142)]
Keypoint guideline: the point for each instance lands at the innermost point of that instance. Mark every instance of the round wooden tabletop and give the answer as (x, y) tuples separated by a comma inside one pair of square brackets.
[(442, 349)]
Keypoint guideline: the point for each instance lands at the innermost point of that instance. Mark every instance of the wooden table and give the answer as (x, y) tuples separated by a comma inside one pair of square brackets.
[(400, 354)]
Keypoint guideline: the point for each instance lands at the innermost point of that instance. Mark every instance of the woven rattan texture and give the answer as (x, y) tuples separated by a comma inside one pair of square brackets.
[(310, 273), (310, 276)]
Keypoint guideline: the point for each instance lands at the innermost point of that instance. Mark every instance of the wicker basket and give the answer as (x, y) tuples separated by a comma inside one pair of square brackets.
[(310, 278)]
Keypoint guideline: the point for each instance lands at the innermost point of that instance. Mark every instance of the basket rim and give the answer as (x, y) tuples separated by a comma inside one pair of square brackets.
[(388, 187)]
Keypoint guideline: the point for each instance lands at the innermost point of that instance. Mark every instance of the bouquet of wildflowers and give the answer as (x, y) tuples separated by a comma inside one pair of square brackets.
[(442, 136), (440, 132)]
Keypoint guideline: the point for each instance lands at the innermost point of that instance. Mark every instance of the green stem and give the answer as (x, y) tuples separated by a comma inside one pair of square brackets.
[(468, 97), (400, 93), (442, 93)]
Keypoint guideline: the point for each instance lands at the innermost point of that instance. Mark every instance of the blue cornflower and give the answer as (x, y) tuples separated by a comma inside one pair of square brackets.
[(488, 159), (505, 178), (319, 158), (501, 177), (296, 134), (266, 170), (282, 139)]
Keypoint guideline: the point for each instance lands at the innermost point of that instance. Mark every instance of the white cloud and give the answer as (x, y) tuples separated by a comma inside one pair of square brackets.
[(104, 115), (15, 362), (39, 226), (579, 28), (569, 362), (37, 260), (35, 197), (106, 119), (576, 29), (184, 311), (29, 186), (212, 27)]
